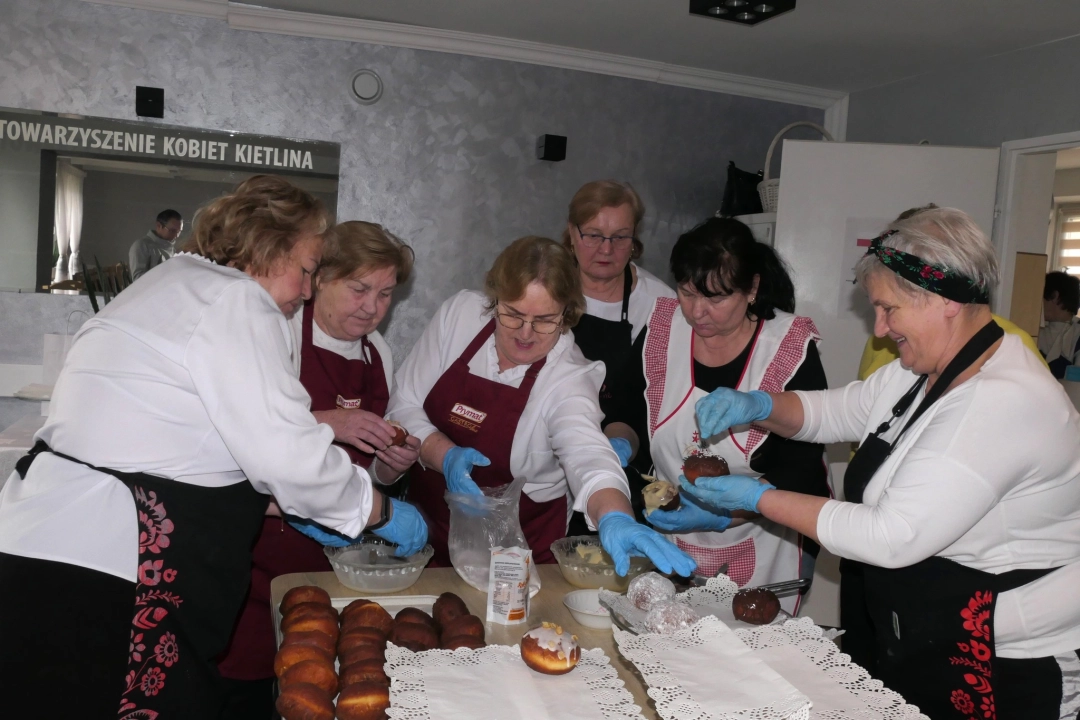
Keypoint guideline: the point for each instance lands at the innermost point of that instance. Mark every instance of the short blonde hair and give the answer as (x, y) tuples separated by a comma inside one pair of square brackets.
[(355, 248), (537, 259), (593, 197), (256, 224), (939, 236)]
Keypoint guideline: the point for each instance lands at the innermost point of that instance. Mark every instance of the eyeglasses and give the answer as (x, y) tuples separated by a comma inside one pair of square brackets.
[(594, 240), (514, 322)]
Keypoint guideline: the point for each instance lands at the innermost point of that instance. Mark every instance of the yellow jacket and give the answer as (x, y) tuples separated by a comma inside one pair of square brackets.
[(882, 351)]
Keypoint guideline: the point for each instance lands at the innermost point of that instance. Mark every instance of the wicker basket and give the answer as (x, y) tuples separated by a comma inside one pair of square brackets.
[(769, 190)]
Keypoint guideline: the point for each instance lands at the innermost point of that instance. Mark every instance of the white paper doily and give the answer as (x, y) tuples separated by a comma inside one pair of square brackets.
[(880, 702), (712, 599), (406, 670)]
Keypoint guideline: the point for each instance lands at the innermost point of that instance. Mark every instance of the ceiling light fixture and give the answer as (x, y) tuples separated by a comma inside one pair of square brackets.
[(748, 12)]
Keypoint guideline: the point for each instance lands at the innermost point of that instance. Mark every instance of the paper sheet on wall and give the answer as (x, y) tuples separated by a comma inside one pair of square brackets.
[(858, 232)]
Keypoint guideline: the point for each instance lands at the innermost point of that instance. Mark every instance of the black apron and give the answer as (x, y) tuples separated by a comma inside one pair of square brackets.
[(194, 567), (612, 341), (928, 627)]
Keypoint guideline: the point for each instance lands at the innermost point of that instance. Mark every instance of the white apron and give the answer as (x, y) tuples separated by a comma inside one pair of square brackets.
[(756, 552)]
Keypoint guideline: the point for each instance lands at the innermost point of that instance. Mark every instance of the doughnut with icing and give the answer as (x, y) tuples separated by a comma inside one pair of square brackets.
[(304, 594), (316, 672), (304, 701), (661, 495), (549, 650), (363, 701)]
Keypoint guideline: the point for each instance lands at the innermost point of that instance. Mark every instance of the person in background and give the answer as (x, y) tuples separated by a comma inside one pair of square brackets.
[(496, 389), (347, 368), (880, 351), (157, 245), (732, 326), (602, 234), (177, 415), (963, 501), (1059, 340)]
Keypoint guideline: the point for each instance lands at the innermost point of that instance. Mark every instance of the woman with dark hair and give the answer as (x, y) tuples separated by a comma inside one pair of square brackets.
[(731, 326), (1059, 341)]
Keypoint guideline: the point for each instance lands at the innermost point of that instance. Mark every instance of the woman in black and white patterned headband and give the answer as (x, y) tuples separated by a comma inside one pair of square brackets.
[(960, 529)]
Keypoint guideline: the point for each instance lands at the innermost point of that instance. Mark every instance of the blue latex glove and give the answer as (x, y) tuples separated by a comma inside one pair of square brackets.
[(724, 408), (315, 531), (730, 492), (406, 529), (622, 448), (456, 466), (622, 536), (689, 517)]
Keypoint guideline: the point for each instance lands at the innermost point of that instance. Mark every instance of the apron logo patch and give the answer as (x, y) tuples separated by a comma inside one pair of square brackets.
[(467, 417), (348, 404)]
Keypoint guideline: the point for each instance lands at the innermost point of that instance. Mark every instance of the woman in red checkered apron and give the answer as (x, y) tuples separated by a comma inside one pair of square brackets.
[(732, 326)]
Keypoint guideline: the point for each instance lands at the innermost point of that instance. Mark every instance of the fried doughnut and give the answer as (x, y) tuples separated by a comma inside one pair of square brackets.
[(364, 671), (697, 466), (311, 623), (371, 615), (363, 701), (286, 657), (464, 625), (414, 636), (359, 636), (463, 641), (755, 606), (318, 673), (448, 607), (353, 607), (310, 637), (304, 701), (549, 650), (304, 594), (415, 615), (400, 434)]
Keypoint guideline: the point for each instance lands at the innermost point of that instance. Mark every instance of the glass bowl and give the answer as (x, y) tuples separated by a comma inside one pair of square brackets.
[(371, 566), (597, 571)]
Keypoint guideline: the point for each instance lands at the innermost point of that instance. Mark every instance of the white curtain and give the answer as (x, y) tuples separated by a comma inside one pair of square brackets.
[(69, 217)]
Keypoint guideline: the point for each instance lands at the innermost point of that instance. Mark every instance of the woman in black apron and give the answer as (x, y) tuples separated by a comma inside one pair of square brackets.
[(601, 234), (963, 502)]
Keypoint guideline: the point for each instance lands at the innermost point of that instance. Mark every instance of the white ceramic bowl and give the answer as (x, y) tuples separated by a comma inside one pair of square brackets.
[(584, 605)]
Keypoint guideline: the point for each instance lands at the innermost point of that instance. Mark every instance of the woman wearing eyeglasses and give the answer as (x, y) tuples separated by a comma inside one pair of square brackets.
[(601, 232), (496, 389)]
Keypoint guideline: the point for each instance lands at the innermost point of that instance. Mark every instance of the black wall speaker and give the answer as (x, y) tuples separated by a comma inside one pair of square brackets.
[(551, 147), (149, 102)]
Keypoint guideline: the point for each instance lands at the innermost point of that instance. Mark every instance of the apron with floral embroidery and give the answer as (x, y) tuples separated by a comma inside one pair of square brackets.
[(194, 565)]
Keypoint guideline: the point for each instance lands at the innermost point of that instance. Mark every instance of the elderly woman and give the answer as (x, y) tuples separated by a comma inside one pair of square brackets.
[(496, 389), (125, 539), (963, 500), (732, 327), (347, 369)]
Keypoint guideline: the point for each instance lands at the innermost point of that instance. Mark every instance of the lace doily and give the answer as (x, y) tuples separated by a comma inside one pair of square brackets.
[(408, 699), (801, 633), (712, 599)]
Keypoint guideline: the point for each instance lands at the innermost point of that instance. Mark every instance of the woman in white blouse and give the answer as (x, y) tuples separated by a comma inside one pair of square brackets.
[(125, 537), (496, 389), (963, 500)]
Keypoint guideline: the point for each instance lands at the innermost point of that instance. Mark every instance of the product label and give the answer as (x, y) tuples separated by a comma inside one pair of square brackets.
[(508, 585)]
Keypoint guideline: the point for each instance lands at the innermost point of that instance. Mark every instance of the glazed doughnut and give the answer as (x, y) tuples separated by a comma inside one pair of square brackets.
[(304, 594), (661, 495), (286, 657), (400, 434), (359, 636), (547, 649), (318, 673), (363, 701), (697, 466), (371, 615), (448, 607), (364, 671), (463, 641), (464, 625), (415, 615), (304, 701), (757, 607), (414, 636), (361, 653), (311, 637)]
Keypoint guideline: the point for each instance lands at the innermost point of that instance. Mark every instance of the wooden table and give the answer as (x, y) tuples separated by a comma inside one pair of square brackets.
[(547, 605)]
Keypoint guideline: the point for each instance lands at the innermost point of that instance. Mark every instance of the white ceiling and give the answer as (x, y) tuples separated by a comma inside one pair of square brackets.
[(844, 45)]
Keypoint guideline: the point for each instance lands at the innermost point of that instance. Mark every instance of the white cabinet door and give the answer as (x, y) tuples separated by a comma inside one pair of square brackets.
[(832, 195)]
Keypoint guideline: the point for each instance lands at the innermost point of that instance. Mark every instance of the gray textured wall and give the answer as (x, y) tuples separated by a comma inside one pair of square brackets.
[(1023, 94), (445, 159)]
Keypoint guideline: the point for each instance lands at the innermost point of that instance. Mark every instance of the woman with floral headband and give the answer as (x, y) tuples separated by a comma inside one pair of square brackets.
[(963, 500)]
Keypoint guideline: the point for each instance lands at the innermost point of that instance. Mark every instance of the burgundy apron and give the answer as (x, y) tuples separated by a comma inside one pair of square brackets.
[(482, 414), (280, 549)]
